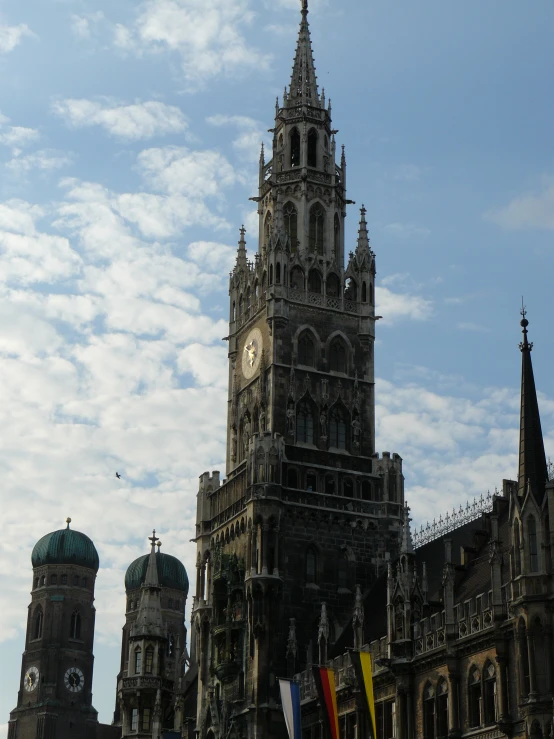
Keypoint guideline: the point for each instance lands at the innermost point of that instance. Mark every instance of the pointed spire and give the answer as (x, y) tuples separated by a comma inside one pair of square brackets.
[(407, 546), (151, 578), (149, 619), (241, 262), (363, 237), (533, 471), (303, 83)]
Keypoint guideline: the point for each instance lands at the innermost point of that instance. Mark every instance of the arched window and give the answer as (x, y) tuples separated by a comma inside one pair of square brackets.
[(240, 306), (333, 286), (317, 229), (311, 481), (267, 228), (489, 695), (517, 549), (306, 350), (37, 623), (36, 583), (305, 423), (294, 148), (314, 281), (366, 490), (264, 281), (329, 485), (234, 311), (148, 660), (337, 234), (337, 428), (312, 148), (138, 660), (271, 274), (348, 488), (532, 540), (278, 273), (311, 565), (429, 712), (474, 698), (364, 292), (370, 293), (43, 580), (53, 579), (442, 710), (75, 627), (350, 289), (297, 278), (291, 225), (337, 356)]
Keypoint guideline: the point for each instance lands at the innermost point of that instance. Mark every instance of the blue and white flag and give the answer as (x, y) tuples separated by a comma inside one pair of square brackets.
[(290, 698)]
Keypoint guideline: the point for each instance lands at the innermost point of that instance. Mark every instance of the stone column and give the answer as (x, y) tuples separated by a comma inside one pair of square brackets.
[(520, 640), (400, 713), (453, 705), (208, 580), (532, 671), (548, 658), (502, 692), (409, 716)]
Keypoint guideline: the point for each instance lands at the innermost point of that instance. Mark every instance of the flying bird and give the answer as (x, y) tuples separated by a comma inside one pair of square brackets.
[(118, 475)]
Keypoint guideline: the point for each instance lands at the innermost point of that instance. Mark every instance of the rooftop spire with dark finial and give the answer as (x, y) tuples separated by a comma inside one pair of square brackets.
[(533, 471), (151, 578), (407, 546), (303, 83), (363, 237), (241, 262)]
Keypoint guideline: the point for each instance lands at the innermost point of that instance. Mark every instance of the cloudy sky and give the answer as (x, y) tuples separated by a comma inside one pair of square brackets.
[(129, 137)]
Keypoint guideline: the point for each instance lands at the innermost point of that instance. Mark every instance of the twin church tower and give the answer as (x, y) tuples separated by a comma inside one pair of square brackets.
[(308, 514)]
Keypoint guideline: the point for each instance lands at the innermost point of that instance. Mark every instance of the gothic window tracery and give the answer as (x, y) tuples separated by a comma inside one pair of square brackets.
[(297, 278), (489, 696), (350, 289), (291, 225), (148, 660), (333, 286), (138, 660), (516, 549), (337, 356), (429, 712), (317, 229), (305, 423), (442, 710), (306, 349), (532, 542), (312, 148), (474, 698), (337, 428), (267, 229), (314, 281), (294, 148)]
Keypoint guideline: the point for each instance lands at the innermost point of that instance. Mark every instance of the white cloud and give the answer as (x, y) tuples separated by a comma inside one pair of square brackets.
[(406, 230), (11, 36), (533, 210), (208, 36), (395, 306), (135, 121), (44, 159), (251, 134), (82, 26)]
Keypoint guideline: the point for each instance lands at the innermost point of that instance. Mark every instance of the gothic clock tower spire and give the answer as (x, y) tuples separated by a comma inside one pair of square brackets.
[(308, 510)]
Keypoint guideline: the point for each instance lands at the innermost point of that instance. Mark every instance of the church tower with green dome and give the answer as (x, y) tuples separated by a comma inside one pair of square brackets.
[(153, 646), (55, 694)]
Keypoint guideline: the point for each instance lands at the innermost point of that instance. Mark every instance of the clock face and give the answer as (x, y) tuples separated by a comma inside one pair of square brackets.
[(74, 679), (30, 681), (252, 353)]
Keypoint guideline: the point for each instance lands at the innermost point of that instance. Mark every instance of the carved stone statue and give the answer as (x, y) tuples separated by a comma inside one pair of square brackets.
[(291, 414), (323, 423)]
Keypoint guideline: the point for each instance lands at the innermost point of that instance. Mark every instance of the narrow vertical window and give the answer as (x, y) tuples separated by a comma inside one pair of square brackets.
[(134, 719), (267, 229), (291, 225), (312, 148), (75, 628), (517, 549), (364, 292), (148, 661), (37, 628), (532, 540), (294, 148), (305, 423), (314, 282), (317, 229), (146, 719), (306, 350), (337, 235), (474, 698), (337, 429), (278, 273), (429, 713), (489, 697), (138, 661), (337, 356), (442, 710)]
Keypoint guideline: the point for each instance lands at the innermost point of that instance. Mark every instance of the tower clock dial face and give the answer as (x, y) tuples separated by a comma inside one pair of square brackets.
[(74, 679), (30, 681), (252, 353)]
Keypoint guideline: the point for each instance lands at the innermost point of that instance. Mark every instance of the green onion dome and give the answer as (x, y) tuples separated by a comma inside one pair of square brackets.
[(65, 547), (171, 573)]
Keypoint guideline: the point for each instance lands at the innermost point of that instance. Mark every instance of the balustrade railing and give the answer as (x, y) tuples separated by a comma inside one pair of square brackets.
[(454, 520)]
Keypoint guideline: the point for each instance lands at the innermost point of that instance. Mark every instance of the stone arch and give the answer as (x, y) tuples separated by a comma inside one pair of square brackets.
[(350, 289), (316, 233), (315, 281), (306, 420), (38, 622), (294, 139), (333, 285), (297, 278), (474, 697), (338, 350)]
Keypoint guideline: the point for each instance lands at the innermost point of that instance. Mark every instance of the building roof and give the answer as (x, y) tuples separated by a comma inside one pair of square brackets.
[(171, 572), (65, 546)]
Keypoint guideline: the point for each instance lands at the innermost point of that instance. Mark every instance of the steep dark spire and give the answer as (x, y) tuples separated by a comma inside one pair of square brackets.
[(532, 459), (303, 83)]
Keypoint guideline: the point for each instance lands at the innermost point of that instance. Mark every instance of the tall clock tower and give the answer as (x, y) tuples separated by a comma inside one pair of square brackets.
[(308, 512), (55, 695)]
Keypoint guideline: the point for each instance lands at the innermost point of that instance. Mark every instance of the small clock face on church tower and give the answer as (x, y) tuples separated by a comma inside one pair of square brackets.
[(30, 681), (251, 353), (74, 679)]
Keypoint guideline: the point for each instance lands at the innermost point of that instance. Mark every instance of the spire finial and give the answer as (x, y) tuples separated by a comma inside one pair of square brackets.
[(525, 345), (153, 539), (305, 10), (68, 521)]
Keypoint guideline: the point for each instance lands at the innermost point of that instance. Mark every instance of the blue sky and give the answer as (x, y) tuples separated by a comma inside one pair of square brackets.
[(129, 140)]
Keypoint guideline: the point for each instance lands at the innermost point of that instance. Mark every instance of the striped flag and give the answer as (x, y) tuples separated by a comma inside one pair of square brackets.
[(290, 698), (361, 661), (324, 678)]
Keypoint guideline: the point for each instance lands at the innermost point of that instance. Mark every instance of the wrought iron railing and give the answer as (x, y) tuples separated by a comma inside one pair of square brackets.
[(454, 520)]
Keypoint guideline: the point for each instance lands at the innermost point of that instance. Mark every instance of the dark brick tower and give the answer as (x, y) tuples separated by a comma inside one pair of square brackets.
[(308, 511), (55, 695)]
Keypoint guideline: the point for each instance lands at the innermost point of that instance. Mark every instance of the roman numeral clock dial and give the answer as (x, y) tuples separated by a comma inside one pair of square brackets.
[(74, 679), (252, 353)]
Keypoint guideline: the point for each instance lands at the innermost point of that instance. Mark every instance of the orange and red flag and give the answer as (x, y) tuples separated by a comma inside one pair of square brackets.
[(324, 678)]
